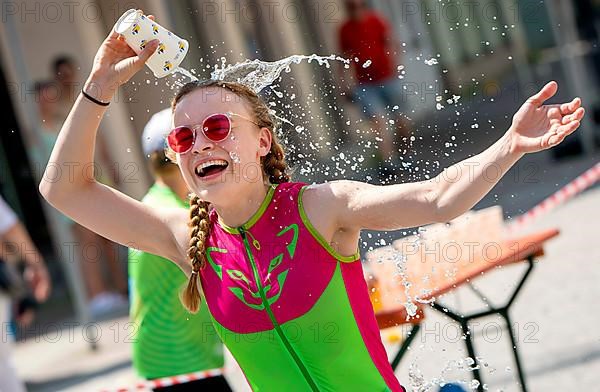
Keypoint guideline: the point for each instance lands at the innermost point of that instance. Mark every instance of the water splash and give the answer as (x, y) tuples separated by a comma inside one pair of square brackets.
[(234, 157), (453, 371), (399, 260), (185, 73), (258, 74)]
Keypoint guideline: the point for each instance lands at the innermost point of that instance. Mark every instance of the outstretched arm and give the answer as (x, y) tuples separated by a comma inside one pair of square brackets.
[(535, 127)]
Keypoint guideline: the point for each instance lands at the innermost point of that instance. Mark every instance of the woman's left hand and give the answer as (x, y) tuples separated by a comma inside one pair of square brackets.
[(536, 127)]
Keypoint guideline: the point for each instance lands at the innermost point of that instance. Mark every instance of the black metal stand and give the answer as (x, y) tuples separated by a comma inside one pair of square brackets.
[(405, 344), (464, 320)]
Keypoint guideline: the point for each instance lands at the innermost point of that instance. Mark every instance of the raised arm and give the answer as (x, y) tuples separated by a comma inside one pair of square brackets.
[(535, 127), (98, 207)]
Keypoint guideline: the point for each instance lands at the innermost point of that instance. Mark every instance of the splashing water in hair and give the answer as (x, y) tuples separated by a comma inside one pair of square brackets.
[(185, 73), (258, 74)]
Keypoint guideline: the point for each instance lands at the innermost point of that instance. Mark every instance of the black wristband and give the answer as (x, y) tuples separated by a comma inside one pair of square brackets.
[(94, 100)]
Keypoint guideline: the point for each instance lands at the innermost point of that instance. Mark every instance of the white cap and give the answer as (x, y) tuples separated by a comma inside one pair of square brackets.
[(154, 137)]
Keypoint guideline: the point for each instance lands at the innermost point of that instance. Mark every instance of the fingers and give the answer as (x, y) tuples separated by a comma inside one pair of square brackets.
[(544, 94), (147, 52), (151, 17), (554, 112), (561, 133), (576, 116), (570, 107), (558, 134), (569, 128)]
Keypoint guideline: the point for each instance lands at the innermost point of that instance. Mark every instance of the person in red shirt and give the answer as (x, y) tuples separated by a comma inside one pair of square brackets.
[(367, 39)]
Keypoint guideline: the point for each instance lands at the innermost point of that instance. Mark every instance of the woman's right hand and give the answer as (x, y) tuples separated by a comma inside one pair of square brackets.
[(114, 64)]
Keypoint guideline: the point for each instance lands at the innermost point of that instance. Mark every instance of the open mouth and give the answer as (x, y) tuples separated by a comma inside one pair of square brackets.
[(210, 168)]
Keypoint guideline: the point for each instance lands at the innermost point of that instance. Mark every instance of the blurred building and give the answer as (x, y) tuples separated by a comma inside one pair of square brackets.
[(447, 45)]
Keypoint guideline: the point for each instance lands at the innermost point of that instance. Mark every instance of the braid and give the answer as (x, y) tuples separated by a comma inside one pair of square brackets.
[(274, 164), (199, 232)]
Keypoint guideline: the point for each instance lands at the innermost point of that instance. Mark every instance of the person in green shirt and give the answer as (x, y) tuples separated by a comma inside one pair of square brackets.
[(168, 341)]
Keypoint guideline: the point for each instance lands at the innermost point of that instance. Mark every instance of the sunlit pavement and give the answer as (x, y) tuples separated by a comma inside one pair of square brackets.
[(65, 361), (555, 316)]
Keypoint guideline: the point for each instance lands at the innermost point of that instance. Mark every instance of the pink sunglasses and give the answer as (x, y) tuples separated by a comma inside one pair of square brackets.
[(215, 127)]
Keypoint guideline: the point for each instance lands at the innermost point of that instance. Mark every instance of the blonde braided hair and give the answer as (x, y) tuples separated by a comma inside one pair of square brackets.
[(273, 164)]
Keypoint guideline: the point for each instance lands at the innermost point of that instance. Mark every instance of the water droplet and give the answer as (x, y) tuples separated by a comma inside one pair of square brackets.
[(234, 156)]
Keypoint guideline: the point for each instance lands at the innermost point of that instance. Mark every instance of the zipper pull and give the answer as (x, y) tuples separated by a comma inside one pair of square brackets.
[(255, 242)]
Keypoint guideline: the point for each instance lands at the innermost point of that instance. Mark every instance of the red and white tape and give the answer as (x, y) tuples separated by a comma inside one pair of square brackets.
[(168, 381), (578, 185)]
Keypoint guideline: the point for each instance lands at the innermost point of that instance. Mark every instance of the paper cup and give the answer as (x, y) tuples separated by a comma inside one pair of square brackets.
[(138, 30)]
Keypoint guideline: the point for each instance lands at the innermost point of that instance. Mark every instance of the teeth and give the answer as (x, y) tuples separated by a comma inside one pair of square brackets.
[(200, 168)]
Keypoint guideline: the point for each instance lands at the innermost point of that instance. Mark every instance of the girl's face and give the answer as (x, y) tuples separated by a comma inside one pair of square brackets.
[(233, 163)]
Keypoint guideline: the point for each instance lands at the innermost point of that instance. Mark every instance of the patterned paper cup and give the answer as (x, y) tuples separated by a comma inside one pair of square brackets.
[(138, 30)]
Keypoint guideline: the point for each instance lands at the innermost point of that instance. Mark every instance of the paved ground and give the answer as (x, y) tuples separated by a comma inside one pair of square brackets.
[(555, 316)]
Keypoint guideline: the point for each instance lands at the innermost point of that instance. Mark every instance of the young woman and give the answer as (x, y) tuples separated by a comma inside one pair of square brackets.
[(277, 261)]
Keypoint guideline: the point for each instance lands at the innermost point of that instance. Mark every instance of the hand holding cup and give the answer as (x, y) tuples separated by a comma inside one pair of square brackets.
[(114, 64)]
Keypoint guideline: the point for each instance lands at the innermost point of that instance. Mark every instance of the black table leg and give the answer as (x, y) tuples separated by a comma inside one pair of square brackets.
[(471, 351), (463, 320), (405, 344), (513, 342), (464, 324)]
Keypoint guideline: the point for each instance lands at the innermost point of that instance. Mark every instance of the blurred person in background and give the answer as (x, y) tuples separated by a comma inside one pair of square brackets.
[(169, 340), (56, 97), (17, 246), (367, 39)]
